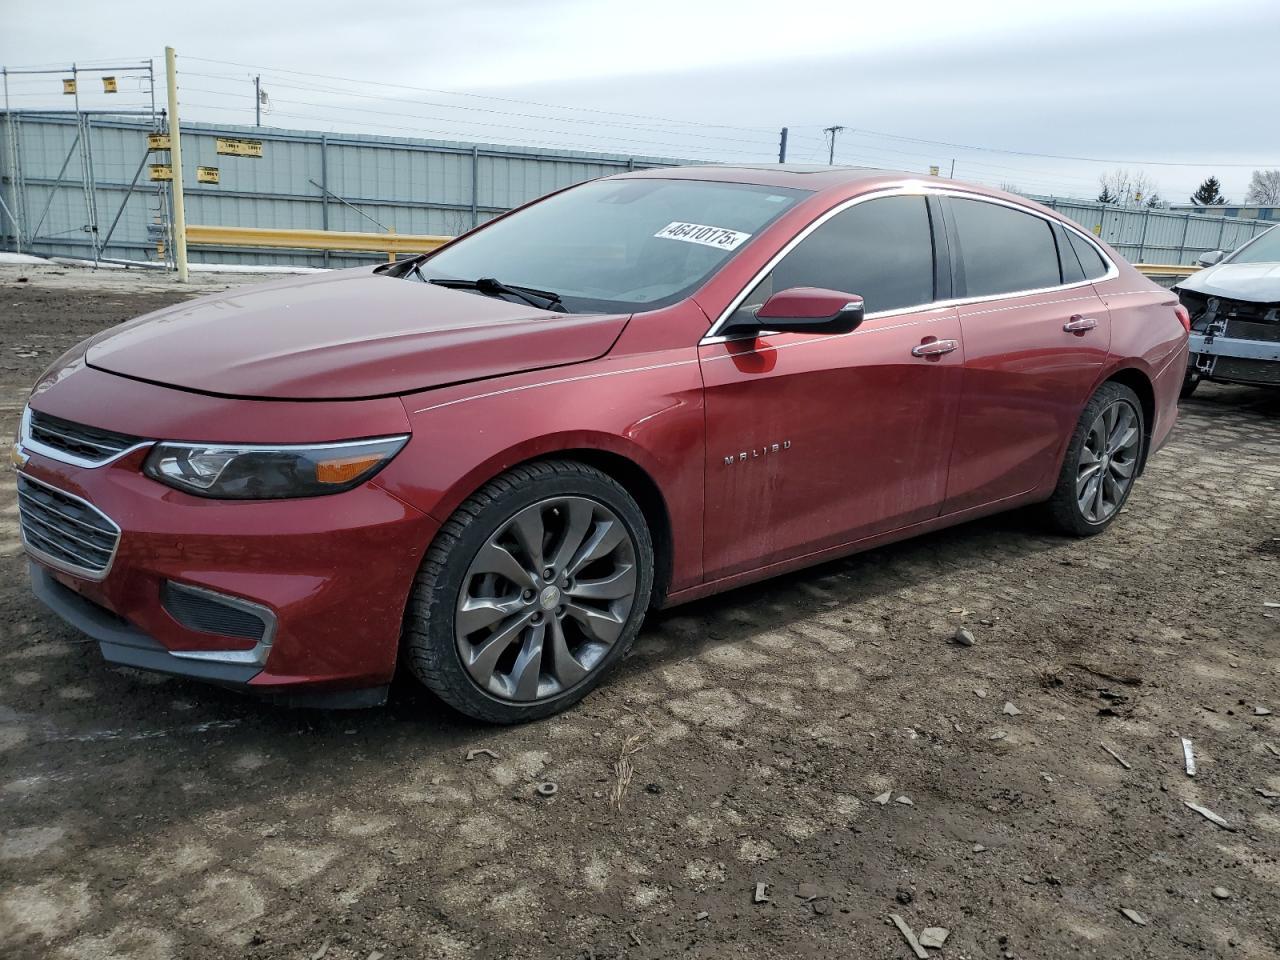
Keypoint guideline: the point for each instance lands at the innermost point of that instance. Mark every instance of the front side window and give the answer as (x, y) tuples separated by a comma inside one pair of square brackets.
[(1003, 250), (618, 245), (881, 250)]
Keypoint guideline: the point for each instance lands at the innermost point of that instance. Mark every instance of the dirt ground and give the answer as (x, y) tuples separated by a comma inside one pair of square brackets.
[(744, 742)]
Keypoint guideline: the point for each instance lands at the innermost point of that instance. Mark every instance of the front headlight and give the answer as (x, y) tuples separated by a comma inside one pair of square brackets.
[(269, 472)]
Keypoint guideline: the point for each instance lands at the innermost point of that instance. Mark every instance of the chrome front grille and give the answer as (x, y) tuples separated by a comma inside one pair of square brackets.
[(73, 442), (65, 531)]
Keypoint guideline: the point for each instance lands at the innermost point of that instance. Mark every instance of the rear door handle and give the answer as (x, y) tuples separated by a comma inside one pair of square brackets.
[(1079, 324), (935, 348)]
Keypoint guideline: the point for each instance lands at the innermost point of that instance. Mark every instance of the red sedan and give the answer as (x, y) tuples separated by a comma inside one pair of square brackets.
[(487, 463)]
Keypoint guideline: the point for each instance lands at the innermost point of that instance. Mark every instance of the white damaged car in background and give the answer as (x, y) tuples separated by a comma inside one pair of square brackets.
[(1235, 315)]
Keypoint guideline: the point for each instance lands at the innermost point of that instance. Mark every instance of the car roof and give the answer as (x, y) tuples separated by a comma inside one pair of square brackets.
[(800, 176)]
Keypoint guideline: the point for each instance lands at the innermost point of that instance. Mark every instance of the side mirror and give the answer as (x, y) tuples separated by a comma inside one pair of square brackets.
[(1211, 258), (804, 310)]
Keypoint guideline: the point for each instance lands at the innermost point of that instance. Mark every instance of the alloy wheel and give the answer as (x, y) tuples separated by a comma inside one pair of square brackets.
[(1108, 461), (546, 598)]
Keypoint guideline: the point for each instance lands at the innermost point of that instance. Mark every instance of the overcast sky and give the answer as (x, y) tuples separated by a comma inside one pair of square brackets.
[(1139, 83)]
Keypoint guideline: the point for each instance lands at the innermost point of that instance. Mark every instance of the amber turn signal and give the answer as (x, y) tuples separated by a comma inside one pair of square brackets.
[(345, 469)]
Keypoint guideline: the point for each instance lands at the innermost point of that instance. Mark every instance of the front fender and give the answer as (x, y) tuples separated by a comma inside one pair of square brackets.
[(646, 409)]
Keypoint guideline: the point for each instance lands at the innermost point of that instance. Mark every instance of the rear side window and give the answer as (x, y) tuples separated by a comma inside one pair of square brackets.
[(881, 250), (1090, 259), (1003, 250)]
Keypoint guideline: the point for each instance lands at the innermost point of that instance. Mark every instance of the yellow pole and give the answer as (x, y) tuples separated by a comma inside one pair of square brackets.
[(175, 160)]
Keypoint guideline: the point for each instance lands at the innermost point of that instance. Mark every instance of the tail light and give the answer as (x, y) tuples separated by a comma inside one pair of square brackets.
[(1184, 317)]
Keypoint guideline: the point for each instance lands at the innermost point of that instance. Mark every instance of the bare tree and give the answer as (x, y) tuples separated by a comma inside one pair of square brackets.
[(1127, 189), (1264, 188)]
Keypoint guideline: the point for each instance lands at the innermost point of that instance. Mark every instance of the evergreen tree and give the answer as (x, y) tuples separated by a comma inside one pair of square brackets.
[(1209, 194)]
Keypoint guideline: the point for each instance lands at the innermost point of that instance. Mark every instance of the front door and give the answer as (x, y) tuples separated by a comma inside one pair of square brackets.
[(814, 441)]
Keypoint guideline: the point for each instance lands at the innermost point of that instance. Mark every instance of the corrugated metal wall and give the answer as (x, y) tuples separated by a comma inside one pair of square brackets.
[(411, 186), (1147, 235)]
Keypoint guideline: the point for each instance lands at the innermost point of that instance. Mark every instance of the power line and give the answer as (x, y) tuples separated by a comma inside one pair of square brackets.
[(1055, 156), (608, 138), (479, 96), (763, 145)]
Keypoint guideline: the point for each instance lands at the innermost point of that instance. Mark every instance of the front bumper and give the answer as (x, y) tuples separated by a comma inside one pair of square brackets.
[(1236, 360), (328, 578), (1235, 347)]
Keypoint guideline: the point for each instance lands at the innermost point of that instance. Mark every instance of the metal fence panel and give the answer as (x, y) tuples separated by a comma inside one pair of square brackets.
[(1152, 235), (366, 183), (302, 180)]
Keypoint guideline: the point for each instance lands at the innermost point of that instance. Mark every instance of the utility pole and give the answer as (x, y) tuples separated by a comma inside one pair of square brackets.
[(175, 161), (782, 146), (831, 132), (257, 100), (952, 174)]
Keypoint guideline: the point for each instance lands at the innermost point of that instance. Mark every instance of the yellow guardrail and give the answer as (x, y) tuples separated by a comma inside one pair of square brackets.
[(1164, 269), (388, 243)]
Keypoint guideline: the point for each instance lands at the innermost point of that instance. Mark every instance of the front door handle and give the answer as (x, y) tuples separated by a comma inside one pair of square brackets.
[(935, 348), (1078, 324)]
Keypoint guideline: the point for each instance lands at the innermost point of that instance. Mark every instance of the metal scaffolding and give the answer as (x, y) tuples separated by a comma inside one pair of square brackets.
[(16, 207)]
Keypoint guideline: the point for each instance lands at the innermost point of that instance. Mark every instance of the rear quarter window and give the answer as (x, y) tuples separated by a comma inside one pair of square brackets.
[(1090, 259)]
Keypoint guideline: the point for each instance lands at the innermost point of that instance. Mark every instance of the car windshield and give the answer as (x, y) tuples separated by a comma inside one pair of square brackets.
[(617, 245), (1266, 249)]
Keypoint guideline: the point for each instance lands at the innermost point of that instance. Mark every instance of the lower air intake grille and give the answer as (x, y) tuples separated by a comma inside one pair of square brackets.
[(64, 530), (208, 612)]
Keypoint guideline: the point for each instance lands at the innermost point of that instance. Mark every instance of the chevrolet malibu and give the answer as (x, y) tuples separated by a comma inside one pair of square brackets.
[(484, 465)]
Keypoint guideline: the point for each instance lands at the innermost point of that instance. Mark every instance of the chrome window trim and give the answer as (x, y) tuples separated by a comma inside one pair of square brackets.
[(30, 445), (256, 655), (48, 559), (914, 188)]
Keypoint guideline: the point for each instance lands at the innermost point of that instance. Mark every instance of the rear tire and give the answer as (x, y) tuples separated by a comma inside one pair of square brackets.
[(531, 593), (1101, 464)]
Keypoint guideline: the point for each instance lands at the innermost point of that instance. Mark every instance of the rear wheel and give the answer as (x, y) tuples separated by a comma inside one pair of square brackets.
[(532, 591), (1101, 462)]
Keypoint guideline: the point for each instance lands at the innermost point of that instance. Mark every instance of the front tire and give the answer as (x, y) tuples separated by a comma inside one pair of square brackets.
[(1101, 462), (531, 593)]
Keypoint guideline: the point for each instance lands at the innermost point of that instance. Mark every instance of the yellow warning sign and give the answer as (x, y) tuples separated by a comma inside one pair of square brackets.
[(109, 85), (161, 171), (157, 141), (239, 148), (206, 174), (933, 171), (68, 86)]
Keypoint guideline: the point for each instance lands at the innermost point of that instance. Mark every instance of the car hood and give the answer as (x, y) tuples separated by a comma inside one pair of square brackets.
[(1258, 282), (344, 335)]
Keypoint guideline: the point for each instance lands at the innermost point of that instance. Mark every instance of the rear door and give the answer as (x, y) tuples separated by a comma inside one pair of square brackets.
[(814, 441), (1035, 337)]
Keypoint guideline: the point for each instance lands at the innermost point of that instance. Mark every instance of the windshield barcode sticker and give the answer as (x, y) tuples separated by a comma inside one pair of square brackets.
[(701, 233)]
